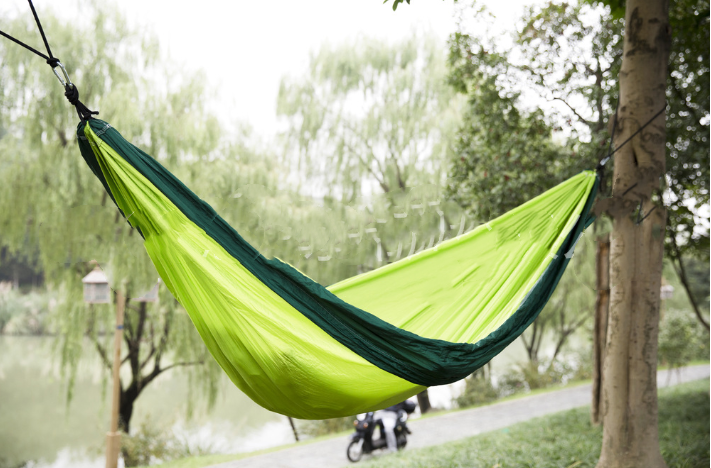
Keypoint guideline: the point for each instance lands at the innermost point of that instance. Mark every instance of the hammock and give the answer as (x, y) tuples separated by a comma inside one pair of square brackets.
[(365, 343)]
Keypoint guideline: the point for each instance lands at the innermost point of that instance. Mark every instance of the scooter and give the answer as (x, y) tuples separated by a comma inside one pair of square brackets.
[(362, 441)]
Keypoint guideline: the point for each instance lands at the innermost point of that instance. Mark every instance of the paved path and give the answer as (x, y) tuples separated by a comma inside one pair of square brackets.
[(452, 426)]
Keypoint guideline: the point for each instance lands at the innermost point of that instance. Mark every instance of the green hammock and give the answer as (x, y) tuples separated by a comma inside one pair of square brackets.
[(365, 343)]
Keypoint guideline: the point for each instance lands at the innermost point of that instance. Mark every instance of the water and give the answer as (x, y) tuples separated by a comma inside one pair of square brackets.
[(36, 424)]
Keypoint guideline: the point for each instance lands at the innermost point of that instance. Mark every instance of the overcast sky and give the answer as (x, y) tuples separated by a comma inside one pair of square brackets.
[(245, 47)]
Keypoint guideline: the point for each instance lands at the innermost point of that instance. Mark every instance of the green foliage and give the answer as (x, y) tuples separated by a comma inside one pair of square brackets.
[(534, 375), (697, 271), (396, 3), (369, 114), (681, 339), (23, 314), (568, 439), (505, 153), (54, 210), (478, 389), (688, 129), (145, 446), (525, 377), (368, 126), (570, 54), (150, 444)]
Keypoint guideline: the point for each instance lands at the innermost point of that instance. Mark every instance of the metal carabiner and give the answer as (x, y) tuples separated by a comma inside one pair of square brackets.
[(65, 81)]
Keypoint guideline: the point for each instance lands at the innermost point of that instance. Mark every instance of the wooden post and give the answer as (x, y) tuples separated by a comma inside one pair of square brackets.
[(602, 306), (113, 437)]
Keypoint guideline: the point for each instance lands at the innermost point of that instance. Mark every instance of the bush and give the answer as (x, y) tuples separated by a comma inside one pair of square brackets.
[(681, 339), (532, 375), (150, 445), (478, 390), (23, 314), (145, 446)]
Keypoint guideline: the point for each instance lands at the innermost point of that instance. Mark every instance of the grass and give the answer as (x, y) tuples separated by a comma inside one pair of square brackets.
[(567, 439)]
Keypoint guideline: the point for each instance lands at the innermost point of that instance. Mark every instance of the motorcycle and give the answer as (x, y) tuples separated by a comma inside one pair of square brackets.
[(362, 441)]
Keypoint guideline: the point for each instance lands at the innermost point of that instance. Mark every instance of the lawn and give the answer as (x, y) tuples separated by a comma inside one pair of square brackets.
[(567, 439)]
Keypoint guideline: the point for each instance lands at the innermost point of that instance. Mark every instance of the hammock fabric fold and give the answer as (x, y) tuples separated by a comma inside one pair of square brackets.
[(303, 350)]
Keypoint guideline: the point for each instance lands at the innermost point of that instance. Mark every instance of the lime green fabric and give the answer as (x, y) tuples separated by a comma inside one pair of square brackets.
[(305, 351), (281, 360)]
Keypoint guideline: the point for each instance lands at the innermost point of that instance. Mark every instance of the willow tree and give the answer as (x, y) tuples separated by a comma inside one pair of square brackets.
[(53, 208)]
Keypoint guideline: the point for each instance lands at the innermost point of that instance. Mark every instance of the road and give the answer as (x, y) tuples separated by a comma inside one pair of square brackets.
[(453, 426)]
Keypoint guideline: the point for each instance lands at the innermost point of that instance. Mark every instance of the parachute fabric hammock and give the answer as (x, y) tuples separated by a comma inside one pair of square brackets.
[(365, 343)]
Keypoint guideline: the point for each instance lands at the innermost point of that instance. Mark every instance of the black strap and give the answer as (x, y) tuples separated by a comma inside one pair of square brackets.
[(604, 160), (70, 90)]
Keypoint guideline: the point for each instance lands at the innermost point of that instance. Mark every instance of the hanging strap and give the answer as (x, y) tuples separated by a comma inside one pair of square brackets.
[(70, 90), (604, 160)]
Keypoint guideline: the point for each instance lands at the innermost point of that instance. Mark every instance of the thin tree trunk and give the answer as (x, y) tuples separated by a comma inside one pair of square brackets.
[(423, 399), (602, 309), (629, 385), (678, 263), (293, 428)]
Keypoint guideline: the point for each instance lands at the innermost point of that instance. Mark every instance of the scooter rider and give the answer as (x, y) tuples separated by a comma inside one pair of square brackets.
[(389, 417)]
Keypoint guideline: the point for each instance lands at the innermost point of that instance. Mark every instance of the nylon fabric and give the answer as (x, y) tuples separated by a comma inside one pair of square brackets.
[(281, 360), (429, 319)]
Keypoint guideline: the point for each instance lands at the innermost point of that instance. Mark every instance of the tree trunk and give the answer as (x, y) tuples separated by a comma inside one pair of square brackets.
[(629, 385), (128, 398), (602, 309), (423, 399), (125, 413)]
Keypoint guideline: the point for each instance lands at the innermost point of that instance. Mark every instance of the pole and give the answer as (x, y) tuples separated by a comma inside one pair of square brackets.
[(113, 437)]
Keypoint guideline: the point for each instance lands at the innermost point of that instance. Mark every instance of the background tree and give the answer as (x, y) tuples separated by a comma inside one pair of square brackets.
[(370, 114), (53, 209), (506, 152), (688, 143)]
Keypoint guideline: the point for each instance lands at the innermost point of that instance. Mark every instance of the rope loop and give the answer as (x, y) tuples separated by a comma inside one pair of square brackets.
[(70, 90)]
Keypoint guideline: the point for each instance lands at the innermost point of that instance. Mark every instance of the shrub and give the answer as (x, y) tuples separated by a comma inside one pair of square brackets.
[(478, 390), (681, 339)]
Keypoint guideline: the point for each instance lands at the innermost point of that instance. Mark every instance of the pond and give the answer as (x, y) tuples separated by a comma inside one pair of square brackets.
[(37, 424)]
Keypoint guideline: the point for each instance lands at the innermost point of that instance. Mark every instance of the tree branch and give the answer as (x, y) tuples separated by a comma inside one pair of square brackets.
[(681, 272), (580, 117)]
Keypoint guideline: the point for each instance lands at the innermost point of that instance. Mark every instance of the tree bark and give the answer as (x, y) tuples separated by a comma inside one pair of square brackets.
[(602, 309), (629, 385), (423, 399)]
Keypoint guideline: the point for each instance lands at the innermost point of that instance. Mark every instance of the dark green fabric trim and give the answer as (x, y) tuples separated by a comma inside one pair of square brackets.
[(414, 358)]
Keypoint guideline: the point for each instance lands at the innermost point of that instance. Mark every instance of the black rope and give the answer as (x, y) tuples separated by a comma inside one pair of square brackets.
[(70, 90), (602, 163), (39, 25), (31, 49)]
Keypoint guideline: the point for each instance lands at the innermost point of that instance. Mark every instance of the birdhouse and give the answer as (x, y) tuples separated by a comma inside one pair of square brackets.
[(96, 287), (150, 296), (667, 291)]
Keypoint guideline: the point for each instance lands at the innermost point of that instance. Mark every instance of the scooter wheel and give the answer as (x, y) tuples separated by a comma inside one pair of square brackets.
[(354, 452)]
